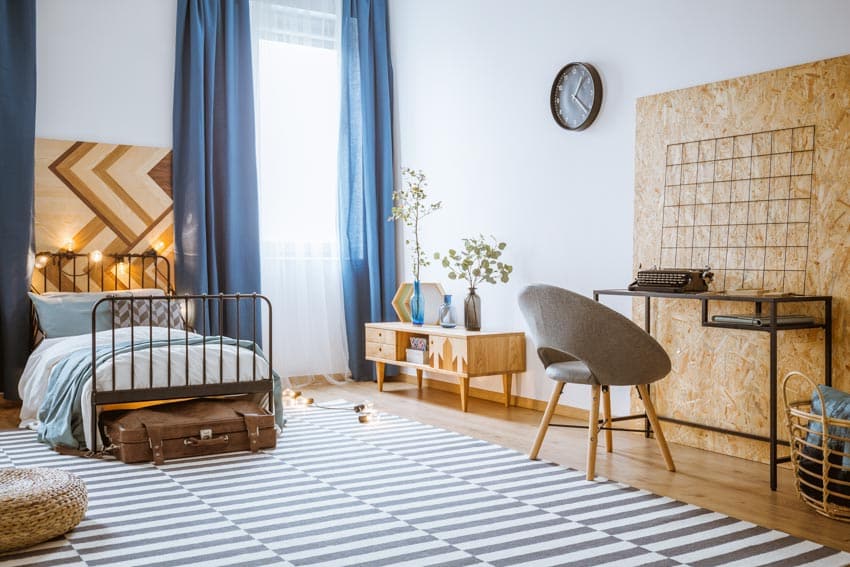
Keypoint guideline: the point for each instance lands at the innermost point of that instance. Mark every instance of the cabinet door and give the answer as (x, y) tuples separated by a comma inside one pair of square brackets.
[(448, 354)]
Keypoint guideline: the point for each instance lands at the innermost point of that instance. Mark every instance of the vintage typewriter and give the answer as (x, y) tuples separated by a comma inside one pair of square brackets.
[(673, 280)]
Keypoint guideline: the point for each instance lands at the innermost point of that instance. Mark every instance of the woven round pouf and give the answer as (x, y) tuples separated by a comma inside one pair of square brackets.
[(37, 505)]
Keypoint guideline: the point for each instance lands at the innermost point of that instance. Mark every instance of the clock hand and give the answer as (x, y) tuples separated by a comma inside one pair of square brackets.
[(580, 103), (578, 86)]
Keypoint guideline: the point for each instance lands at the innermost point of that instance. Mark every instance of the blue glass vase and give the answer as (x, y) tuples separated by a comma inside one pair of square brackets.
[(417, 305)]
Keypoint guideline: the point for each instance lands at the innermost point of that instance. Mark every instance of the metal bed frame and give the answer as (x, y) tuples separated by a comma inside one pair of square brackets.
[(141, 389)]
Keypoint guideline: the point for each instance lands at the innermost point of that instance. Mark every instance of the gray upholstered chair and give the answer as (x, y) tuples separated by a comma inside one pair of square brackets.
[(581, 341)]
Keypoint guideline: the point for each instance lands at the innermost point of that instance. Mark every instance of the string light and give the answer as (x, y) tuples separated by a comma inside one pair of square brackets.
[(366, 412), (291, 398), (96, 256)]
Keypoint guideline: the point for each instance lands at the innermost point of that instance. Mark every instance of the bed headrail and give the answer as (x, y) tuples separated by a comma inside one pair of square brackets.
[(96, 271)]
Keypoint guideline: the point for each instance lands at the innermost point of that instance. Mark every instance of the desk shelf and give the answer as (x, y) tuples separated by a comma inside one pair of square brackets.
[(759, 302)]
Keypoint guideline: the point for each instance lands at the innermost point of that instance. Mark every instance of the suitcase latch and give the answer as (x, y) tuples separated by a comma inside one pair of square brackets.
[(206, 434)]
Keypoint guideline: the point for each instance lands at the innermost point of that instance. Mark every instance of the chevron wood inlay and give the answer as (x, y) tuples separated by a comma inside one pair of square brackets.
[(115, 198)]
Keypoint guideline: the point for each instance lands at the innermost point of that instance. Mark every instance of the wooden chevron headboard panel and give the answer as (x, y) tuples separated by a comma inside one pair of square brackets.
[(109, 197)]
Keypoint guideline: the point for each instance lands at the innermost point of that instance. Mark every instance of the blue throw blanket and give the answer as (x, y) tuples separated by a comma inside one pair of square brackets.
[(61, 412)]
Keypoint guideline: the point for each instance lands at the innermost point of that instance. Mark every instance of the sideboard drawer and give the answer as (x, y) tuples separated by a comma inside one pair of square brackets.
[(380, 350), (380, 336)]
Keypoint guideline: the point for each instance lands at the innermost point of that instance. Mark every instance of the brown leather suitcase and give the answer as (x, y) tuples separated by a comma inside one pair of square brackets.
[(188, 429)]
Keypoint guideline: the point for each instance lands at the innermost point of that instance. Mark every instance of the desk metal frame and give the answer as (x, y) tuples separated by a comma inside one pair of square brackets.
[(772, 329)]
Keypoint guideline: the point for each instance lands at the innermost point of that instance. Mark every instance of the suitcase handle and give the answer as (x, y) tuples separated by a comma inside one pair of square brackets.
[(214, 442)]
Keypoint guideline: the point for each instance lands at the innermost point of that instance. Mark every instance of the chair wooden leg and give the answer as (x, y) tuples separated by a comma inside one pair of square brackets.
[(656, 427), (606, 415), (547, 417), (593, 431)]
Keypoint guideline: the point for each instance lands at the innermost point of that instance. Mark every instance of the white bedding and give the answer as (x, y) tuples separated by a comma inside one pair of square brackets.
[(33, 384)]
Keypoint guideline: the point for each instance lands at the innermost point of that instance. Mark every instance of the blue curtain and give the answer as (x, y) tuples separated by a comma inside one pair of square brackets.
[(367, 240), (17, 146), (216, 214)]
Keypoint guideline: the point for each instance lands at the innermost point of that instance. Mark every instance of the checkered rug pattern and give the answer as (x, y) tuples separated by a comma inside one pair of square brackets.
[(391, 492)]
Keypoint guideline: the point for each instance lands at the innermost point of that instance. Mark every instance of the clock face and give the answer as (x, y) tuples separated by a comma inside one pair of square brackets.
[(576, 96)]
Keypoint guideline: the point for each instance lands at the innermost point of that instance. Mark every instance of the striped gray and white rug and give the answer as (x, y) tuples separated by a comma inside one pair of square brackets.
[(396, 492)]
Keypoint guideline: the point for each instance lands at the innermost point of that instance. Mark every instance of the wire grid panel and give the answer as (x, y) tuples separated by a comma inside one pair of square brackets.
[(741, 205)]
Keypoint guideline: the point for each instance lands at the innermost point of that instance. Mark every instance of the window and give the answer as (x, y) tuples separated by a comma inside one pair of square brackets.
[(296, 81)]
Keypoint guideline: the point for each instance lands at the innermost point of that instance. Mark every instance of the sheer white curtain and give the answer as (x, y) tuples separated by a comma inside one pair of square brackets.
[(296, 82)]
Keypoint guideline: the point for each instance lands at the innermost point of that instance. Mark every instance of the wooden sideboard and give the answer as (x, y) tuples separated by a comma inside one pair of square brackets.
[(454, 352)]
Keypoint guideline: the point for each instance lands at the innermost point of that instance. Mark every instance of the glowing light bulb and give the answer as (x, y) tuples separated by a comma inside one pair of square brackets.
[(41, 261), (158, 245), (96, 256), (69, 245)]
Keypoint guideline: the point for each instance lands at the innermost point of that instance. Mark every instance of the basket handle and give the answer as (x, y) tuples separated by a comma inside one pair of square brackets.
[(814, 386)]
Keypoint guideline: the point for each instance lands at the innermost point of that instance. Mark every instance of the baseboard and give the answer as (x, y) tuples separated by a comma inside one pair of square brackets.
[(491, 396)]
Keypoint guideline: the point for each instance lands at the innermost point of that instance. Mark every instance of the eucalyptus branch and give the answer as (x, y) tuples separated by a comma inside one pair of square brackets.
[(478, 262), (411, 207)]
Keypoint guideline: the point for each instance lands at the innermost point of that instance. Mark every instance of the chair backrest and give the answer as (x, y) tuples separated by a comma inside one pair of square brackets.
[(567, 326)]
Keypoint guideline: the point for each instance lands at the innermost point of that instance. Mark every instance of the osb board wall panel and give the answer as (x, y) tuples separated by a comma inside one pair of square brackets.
[(109, 197), (720, 377)]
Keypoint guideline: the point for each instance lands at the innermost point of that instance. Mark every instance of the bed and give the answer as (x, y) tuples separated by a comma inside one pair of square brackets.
[(141, 344)]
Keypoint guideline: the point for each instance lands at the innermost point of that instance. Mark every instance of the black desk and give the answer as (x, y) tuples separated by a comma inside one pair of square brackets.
[(772, 328)]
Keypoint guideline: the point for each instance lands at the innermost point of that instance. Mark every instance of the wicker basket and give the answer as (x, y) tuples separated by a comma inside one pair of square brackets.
[(37, 505), (818, 445)]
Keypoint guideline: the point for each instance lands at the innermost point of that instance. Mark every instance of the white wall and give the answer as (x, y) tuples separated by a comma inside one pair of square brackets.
[(472, 80), (105, 70)]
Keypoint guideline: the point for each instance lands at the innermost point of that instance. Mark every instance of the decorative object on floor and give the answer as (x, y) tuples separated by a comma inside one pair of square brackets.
[(411, 207), (819, 430), (447, 315), (580, 341), (38, 504), (440, 498), (477, 262), (432, 293), (576, 96)]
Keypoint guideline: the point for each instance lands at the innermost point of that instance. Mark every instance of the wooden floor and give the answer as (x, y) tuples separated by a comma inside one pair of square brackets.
[(728, 485)]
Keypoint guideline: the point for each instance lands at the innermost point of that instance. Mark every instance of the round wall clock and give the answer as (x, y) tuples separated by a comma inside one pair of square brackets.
[(576, 96)]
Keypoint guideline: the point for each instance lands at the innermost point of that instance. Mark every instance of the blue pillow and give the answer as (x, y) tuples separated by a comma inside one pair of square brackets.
[(69, 314), (837, 407)]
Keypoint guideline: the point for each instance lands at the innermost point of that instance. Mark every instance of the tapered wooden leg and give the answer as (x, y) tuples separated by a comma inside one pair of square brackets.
[(464, 392), (419, 378), (606, 415), (547, 417), (379, 369), (656, 427), (593, 431), (506, 387)]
